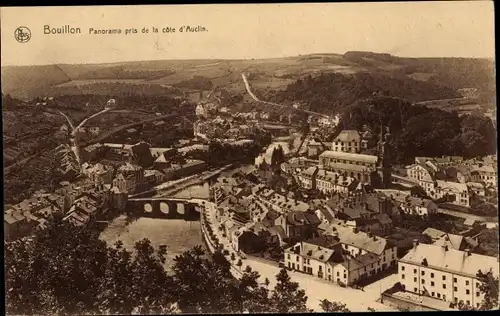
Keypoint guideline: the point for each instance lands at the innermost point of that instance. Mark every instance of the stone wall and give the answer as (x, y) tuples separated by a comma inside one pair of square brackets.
[(399, 303)]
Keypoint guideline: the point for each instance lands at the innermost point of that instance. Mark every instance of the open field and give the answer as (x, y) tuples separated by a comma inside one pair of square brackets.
[(273, 73)]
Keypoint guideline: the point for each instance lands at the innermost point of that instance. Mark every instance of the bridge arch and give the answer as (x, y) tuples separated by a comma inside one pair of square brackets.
[(148, 208), (164, 208), (181, 209)]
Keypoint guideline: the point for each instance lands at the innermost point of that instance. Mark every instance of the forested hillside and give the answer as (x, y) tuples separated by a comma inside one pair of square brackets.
[(454, 73), (422, 131), (327, 93)]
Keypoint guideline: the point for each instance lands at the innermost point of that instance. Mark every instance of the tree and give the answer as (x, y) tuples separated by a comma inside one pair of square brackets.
[(418, 191), (64, 270), (202, 280), (274, 157), (287, 297), (330, 307), (82, 275), (489, 287)]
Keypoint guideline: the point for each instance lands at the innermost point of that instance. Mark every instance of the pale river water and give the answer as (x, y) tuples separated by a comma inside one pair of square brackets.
[(177, 235)]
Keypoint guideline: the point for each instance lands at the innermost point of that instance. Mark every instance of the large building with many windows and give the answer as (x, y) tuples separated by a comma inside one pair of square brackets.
[(361, 167), (445, 273)]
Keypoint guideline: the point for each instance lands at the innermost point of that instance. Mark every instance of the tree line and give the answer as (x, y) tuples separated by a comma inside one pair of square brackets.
[(422, 131), (329, 92), (66, 271)]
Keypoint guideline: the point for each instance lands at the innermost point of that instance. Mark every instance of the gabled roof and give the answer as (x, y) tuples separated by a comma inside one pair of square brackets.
[(348, 136), (364, 260), (433, 233), (349, 156), (451, 260), (411, 201), (450, 240), (312, 251), (361, 240)]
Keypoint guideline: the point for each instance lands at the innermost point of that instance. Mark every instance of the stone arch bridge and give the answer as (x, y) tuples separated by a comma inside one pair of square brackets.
[(166, 208)]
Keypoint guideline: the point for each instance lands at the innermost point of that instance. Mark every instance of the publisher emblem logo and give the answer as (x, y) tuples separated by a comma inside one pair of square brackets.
[(22, 34)]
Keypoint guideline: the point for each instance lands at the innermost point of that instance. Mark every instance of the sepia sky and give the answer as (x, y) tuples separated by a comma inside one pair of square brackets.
[(241, 31)]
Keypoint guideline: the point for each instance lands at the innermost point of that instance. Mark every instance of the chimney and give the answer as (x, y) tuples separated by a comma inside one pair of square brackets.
[(415, 243)]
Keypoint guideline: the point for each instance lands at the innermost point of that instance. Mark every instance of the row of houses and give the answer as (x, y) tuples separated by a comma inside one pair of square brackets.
[(84, 200), (343, 255), (452, 177)]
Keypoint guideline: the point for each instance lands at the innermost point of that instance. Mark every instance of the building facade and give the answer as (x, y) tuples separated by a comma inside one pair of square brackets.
[(361, 167), (446, 274)]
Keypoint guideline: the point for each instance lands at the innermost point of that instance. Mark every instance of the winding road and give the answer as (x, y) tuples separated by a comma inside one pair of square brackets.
[(74, 139), (249, 90)]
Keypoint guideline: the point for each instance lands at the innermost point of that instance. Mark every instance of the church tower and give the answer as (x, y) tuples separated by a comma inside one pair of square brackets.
[(384, 168)]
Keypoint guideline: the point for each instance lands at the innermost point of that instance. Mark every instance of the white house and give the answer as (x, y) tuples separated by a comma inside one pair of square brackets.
[(485, 174), (347, 141), (418, 206), (445, 273), (459, 191)]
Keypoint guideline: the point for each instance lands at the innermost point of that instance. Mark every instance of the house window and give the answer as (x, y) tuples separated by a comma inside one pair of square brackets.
[(444, 297), (423, 281), (288, 256), (432, 283), (297, 258), (444, 277), (415, 289), (455, 280), (414, 279), (328, 270), (345, 276), (402, 276), (468, 302), (402, 268), (467, 282), (467, 292), (439, 295), (432, 294), (308, 261), (414, 270), (423, 272), (477, 294), (477, 284), (455, 289), (444, 286), (432, 275), (338, 274), (320, 268)]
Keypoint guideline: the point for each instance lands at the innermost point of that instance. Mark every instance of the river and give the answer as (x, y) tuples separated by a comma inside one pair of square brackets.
[(177, 235)]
